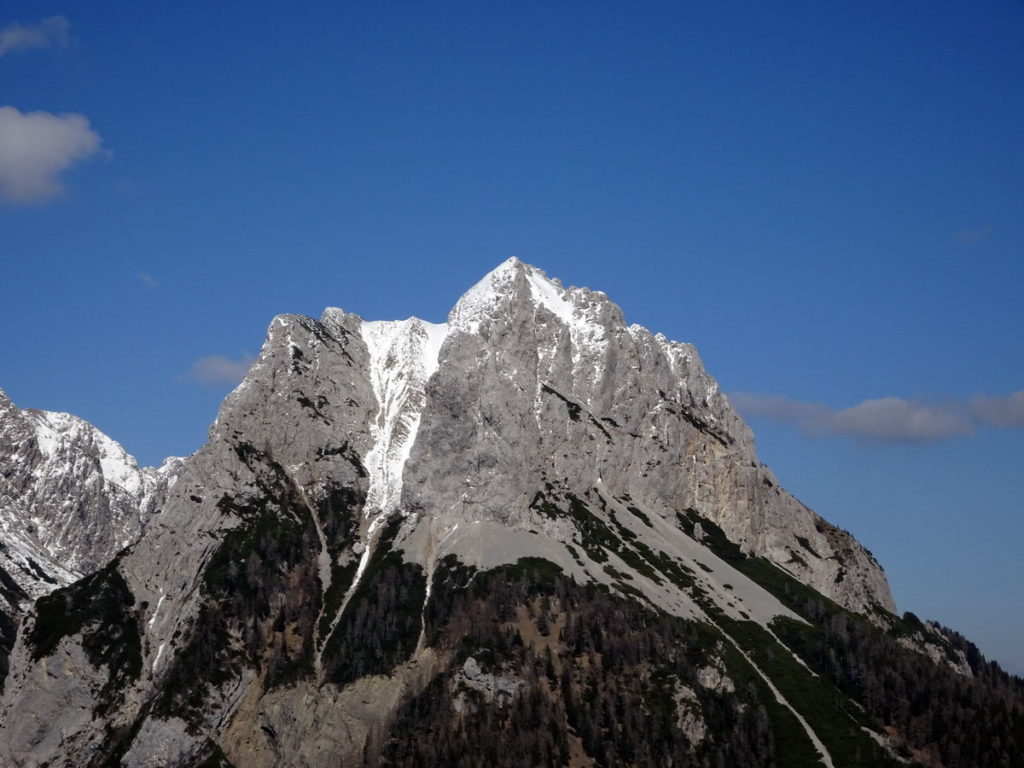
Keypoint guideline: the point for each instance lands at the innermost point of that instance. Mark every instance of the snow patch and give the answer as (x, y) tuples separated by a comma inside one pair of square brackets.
[(403, 356), (159, 653), (156, 611), (574, 308), (48, 434), (477, 302), (548, 295), (117, 466), (21, 557), (57, 432)]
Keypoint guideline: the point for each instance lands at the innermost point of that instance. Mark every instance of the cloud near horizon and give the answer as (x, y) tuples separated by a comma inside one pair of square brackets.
[(35, 148), (889, 419), (1006, 412), (52, 32), (217, 370)]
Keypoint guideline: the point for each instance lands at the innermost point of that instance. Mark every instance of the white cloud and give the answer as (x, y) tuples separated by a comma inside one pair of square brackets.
[(48, 33), (148, 280), (1006, 411), (893, 418), (777, 408), (884, 419), (218, 369), (35, 148)]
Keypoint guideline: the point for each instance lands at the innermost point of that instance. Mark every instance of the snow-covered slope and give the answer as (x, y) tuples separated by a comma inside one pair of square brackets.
[(70, 497), (403, 355)]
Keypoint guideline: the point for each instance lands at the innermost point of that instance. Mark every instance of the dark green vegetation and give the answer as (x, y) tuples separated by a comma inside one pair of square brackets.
[(962, 721), (261, 596), (637, 513), (807, 545), (788, 590), (99, 609), (338, 514), (833, 717), (262, 588), (828, 712), (600, 677), (599, 538), (8, 634), (381, 624), (12, 594), (853, 658), (214, 758), (596, 535), (347, 453), (571, 674)]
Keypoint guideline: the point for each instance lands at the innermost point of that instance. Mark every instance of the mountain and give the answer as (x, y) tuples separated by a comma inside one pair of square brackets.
[(70, 499), (532, 535), (83, 496)]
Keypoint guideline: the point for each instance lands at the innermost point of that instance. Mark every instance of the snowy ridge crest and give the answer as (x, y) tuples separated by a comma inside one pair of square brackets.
[(56, 431), (403, 356), (503, 284), (70, 496), (585, 314)]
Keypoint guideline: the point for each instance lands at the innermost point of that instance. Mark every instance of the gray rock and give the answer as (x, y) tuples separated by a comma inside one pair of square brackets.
[(70, 497), (531, 388), (471, 682), (539, 384)]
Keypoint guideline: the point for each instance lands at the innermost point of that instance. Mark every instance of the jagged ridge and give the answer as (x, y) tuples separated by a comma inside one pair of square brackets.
[(392, 515)]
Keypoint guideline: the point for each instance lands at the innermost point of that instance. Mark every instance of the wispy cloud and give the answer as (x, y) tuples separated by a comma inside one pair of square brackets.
[(889, 419), (1006, 412), (148, 280), (973, 236), (48, 33), (35, 148), (893, 418), (217, 370)]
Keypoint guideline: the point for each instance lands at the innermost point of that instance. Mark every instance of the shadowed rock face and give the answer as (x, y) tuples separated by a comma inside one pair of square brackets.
[(242, 534), (288, 596), (70, 499)]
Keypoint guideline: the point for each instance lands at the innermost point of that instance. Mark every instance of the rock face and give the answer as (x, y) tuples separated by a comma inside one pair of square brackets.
[(538, 384), (70, 492), (70, 499), (532, 520)]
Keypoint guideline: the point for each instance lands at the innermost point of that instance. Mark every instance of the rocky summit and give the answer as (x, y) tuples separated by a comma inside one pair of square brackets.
[(533, 535)]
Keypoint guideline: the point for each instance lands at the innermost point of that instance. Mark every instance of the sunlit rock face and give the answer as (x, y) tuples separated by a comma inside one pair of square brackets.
[(70, 493), (541, 384), (285, 594)]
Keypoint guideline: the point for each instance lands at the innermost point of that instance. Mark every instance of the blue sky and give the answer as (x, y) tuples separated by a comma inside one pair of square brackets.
[(826, 198)]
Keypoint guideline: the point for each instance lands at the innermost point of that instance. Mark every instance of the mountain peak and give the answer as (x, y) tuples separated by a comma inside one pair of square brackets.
[(70, 497), (483, 298), (400, 527), (514, 283)]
